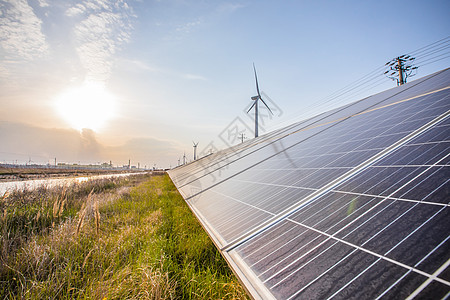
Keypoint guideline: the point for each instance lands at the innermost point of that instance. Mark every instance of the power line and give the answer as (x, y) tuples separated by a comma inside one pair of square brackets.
[(441, 41), (435, 61), (425, 55), (447, 53), (432, 51)]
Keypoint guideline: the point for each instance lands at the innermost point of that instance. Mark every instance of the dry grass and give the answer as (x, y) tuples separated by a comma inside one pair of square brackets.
[(116, 242)]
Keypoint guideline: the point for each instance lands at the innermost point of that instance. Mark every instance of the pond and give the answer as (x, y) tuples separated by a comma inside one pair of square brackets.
[(51, 182)]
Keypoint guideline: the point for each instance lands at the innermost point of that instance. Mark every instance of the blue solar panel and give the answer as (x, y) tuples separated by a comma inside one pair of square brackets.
[(320, 208)]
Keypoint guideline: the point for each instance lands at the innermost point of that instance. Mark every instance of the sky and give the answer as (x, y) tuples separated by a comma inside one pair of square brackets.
[(99, 81)]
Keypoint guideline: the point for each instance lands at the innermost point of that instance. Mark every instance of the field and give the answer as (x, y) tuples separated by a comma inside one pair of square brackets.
[(108, 239)]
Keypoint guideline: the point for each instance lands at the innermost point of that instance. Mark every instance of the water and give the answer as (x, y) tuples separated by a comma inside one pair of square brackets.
[(52, 182)]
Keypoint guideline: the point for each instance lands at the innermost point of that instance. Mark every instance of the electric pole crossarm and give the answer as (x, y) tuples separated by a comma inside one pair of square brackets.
[(400, 68)]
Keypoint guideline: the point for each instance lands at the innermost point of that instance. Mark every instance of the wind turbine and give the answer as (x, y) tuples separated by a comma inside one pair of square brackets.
[(255, 104), (195, 150)]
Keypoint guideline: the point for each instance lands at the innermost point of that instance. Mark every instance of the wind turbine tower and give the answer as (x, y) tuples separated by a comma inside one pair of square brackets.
[(195, 150), (255, 104)]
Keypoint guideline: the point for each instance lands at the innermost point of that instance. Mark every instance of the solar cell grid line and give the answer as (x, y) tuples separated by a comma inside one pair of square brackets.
[(389, 288), (300, 218), (415, 82), (225, 155), (426, 177), (412, 84), (391, 162), (329, 237), (328, 247), (339, 179), (417, 154), (429, 280), (265, 250), (230, 209), (292, 253), (338, 204), (223, 180), (356, 248), (413, 171), (442, 208)]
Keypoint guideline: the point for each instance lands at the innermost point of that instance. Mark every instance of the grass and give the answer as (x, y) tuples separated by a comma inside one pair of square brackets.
[(105, 240)]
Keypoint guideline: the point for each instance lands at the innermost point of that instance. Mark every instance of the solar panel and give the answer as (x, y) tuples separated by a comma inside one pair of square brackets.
[(352, 203)]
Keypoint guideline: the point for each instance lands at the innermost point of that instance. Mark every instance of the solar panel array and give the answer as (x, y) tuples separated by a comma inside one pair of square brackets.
[(350, 204)]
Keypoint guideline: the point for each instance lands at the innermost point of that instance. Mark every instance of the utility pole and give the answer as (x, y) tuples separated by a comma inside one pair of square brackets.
[(195, 150), (400, 68), (400, 71)]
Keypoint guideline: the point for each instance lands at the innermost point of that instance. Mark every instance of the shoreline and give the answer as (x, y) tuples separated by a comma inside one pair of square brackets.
[(23, 174)]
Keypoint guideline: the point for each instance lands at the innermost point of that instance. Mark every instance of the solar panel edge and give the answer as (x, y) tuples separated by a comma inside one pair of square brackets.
[(255, 289), (218, 241)]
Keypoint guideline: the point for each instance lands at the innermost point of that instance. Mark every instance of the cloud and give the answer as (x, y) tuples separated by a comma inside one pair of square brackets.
[(76, 10), (89, 143), (147, 151), (228, 7), (102, 28), (188, 27), (21, 35), (138, 65), (23, 142), (43, 3)]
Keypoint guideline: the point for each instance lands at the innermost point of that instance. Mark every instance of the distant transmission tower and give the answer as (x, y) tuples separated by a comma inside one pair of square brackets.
[(400, 68), (242, 137)]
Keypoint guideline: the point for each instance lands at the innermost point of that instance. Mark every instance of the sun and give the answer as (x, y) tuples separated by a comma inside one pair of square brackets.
[(87, 106)]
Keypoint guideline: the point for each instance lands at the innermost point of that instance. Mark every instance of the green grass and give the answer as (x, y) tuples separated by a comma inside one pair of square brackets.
[(109, 242)]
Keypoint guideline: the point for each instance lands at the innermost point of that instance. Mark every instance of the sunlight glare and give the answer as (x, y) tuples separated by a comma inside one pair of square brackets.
[(87, 106)]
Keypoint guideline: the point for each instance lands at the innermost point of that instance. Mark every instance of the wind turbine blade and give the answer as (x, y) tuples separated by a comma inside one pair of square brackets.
[(266, 105), (256, 79), (251, 106)]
